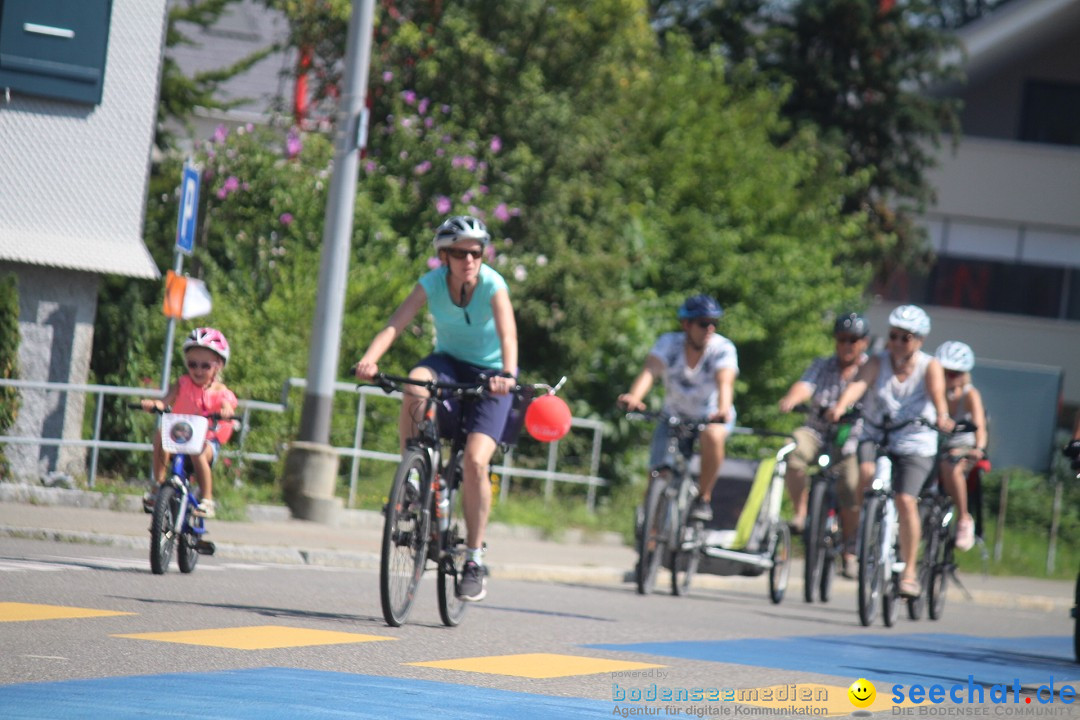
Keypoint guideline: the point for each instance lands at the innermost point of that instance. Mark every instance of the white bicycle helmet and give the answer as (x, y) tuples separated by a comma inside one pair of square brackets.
[(911, 318), (461, 227), (211, 339), (955, 356)]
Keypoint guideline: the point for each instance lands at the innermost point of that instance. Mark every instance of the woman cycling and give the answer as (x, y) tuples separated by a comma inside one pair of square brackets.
[(476, 334), (902, 383)]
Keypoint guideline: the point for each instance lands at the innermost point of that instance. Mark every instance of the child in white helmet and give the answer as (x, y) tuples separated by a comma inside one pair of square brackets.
[(964, 449)]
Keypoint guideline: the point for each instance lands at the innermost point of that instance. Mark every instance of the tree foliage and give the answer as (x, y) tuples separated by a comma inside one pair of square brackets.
[(617, 174), (9, 355), (862, 73)]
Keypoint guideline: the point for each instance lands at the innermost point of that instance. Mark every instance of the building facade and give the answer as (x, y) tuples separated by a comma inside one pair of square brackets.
[(78, 100)]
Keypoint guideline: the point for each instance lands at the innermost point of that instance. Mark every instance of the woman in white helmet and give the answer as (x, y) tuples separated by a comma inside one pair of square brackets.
[(965, 403), (904, 383), (475, 334)]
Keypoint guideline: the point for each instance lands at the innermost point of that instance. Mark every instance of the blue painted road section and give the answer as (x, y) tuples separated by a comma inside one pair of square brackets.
[(278, 694), (894, 658)]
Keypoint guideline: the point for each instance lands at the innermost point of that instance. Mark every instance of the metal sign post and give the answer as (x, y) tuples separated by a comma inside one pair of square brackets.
[(185, 243)]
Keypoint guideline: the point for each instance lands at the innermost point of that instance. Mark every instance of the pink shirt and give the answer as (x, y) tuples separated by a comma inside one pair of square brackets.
[(194, 400)]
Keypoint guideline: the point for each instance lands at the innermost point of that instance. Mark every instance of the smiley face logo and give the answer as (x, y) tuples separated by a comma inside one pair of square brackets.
[(862, 693)]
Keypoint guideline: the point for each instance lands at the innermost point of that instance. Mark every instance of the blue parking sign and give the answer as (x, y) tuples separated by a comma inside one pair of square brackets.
[(189, 210)]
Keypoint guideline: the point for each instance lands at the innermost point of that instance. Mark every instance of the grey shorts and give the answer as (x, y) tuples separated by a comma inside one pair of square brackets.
[(909, 473)]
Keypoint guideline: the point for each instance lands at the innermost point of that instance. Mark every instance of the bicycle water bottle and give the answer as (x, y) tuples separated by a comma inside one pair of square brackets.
[(882, 473), (442, 505)]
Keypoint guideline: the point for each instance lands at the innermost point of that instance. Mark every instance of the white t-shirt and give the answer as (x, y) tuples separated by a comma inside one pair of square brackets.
[(692, 392)]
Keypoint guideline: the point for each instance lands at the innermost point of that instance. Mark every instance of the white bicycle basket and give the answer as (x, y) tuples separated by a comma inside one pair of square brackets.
[(183, 434)]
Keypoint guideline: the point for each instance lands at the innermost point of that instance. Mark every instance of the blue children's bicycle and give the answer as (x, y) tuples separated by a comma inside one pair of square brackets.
[(175, 520)]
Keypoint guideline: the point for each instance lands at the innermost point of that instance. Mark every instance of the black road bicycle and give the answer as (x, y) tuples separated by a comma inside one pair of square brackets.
[(666, 534), (822, 536), (937, 563), (421, 521)]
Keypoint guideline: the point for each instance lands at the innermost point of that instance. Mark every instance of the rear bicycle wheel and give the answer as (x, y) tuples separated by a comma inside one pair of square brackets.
[(162, 522), (187, 557), (781, 563), (404, 541), (870, 569), (653, 541), (815, 539)]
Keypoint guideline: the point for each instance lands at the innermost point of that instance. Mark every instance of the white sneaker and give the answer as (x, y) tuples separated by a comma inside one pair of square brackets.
[(965, 533)]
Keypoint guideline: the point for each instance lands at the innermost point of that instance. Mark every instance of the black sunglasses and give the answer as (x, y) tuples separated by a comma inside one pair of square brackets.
[(705, 323), (192, 365), (847, 339), (459, 254), (901, 337)]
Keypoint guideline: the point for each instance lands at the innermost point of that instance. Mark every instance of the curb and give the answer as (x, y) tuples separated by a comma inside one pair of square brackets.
[(37, 495)]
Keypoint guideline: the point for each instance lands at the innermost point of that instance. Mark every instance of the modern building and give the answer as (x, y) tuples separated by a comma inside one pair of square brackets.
[(1006, 224), (78, 101)]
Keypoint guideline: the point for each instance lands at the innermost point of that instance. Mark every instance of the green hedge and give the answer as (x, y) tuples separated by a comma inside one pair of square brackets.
[(9, 355)]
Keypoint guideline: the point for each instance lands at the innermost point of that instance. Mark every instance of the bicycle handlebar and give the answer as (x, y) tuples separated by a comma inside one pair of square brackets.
[(853, 413), (700, 423), (166, 410), (389, 383)]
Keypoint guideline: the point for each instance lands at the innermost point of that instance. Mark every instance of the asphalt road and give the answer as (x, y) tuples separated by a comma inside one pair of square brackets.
[(88, 631)]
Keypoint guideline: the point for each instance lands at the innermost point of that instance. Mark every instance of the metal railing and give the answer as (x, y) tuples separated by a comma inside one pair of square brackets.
[(506, 470), (96, 444), (550, 475)]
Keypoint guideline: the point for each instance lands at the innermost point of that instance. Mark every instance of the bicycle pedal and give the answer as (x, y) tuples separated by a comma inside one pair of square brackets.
[(205, 547)]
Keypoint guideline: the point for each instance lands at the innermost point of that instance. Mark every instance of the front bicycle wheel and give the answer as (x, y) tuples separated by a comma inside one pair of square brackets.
[(686, 555), (451, 565), (1076, 623), (939, 572), (781, 563), (162, 524), (890, 590), (404, 541), (925, 567), (814, 538), (871, 572), (653, 541)]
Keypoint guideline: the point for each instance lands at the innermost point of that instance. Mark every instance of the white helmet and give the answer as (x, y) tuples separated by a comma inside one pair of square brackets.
[(956, 356), (461, 227), (911, 318)]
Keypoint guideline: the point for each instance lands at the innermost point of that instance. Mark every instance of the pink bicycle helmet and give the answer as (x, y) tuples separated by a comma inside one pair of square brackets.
[(210, 339)]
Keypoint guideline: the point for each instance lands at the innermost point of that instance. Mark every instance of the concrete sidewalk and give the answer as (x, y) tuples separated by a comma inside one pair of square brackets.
[(271, 535)]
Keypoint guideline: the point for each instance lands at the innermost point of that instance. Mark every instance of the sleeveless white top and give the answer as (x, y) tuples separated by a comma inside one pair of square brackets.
[(903, 401)]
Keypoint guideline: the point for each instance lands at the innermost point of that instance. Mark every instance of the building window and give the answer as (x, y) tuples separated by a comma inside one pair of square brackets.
[(1051, 113), (989, 286)]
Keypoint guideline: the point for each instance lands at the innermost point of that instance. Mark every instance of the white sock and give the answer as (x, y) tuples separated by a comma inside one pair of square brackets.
[(476, 555)]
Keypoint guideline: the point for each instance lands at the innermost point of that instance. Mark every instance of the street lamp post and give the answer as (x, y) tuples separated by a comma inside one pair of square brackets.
[(310, 464)]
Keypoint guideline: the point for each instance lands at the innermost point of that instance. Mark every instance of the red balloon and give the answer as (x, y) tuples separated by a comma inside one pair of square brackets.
[(548, 418)]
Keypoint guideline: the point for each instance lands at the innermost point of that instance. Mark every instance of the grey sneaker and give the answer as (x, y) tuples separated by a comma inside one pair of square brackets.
[(472, 586), (701, 511)]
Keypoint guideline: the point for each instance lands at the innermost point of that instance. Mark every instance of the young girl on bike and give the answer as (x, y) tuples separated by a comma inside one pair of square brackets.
[(902, 383), (965, 403), (199, 392), (476, 334)]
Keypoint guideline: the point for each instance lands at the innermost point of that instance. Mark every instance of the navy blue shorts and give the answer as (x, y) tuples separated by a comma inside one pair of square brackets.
[(485, 415)]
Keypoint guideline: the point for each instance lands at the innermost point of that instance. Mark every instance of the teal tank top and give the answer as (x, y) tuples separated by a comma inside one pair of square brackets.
[(466, 333)]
